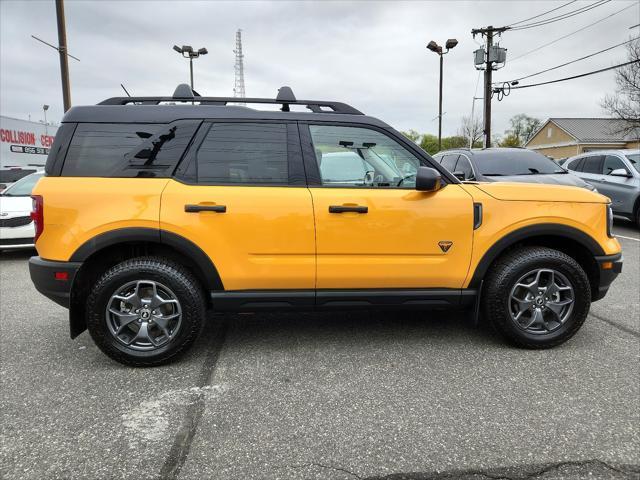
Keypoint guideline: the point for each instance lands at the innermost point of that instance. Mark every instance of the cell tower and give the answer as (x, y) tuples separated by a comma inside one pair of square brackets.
[(238, 89)]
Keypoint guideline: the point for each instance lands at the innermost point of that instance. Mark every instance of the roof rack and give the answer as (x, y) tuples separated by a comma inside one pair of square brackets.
[(285, 97)]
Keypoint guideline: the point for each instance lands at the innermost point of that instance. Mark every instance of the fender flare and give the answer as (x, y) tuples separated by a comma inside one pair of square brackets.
[(207, 270), (525, 233)]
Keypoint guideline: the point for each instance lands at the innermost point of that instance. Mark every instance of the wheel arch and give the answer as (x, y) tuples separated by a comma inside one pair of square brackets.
[(569, 240), (107, 249)]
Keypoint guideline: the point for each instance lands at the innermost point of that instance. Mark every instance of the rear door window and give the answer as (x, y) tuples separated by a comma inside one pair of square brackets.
[(592, 164), (575, 165), (237, 153)]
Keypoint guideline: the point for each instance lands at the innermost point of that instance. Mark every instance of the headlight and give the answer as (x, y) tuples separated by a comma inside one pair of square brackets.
[(609, 222)]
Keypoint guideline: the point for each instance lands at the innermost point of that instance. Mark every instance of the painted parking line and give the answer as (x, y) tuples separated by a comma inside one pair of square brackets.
[(628, 238)]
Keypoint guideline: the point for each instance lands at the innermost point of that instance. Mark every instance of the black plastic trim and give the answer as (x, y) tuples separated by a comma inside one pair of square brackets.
[(209, 274), (43, 277), (58, 152), (607, 276), (526, 233), (258, 300), (477, 215)]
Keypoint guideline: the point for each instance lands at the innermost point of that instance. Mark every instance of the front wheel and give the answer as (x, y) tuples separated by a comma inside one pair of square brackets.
[(145, 311), (537, 297)]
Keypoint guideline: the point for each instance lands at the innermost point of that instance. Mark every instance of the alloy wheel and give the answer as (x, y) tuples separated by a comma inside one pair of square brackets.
[(143, 315), (541, 301)]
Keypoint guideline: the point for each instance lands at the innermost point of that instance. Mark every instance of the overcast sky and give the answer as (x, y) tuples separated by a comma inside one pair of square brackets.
[(369, 54)]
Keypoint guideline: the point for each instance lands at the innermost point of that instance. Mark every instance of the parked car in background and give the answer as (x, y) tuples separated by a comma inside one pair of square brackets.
[(616, 174), (506, 165), (8, 176), (16, 225)]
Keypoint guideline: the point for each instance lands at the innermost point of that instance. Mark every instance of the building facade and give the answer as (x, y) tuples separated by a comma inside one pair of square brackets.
[(23, 143), (565, 137)]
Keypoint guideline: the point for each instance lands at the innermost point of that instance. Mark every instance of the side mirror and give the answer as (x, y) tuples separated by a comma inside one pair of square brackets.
[(460, 176), (428, 179), (620, 172)]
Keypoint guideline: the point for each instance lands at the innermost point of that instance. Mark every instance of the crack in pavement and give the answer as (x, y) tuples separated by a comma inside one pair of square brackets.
[(614, 324), (329, 467), (187, 430), (512, 473)]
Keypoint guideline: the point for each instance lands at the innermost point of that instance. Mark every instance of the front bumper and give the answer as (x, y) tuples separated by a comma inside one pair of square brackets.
[(609, 267), (53, 279)]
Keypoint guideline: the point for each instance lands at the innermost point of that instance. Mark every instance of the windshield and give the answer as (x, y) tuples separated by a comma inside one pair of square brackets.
[(23, 187), (519, 162), (634, 159)]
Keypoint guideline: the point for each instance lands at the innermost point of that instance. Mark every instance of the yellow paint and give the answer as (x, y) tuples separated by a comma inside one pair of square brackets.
[(265, 240), (395, 244), (285, 237), (78, 209)]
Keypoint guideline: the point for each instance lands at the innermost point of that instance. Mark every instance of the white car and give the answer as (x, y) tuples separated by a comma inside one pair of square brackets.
[(16, 226)]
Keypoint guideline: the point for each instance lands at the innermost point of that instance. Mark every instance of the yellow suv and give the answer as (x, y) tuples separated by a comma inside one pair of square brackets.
[(155, 209)]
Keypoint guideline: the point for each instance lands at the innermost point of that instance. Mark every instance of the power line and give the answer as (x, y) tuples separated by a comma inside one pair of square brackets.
[(576, 76), (572, 61), (562, 16), (542, 14), (573, 33)]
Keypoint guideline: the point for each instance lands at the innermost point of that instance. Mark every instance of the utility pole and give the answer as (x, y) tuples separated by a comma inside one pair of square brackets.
[(486, 60), (487, 90), (62, 49)]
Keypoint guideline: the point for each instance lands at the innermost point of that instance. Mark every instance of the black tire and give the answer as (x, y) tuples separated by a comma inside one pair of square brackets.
[(156, 271), (506, 272)]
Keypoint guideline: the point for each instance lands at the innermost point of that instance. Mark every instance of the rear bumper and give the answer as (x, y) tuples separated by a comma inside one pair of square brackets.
[(609, 267), (50, 280)]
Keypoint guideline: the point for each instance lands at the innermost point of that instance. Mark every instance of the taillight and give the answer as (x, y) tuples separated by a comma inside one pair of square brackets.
[(37, 215)]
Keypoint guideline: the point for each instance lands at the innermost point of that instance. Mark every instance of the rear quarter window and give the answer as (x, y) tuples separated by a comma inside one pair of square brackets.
[(127, 149)]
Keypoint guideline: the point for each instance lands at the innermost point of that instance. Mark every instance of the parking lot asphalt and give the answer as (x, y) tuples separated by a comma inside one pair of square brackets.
[(323, 396)]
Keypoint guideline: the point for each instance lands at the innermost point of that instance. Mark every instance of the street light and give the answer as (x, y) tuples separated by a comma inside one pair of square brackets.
[(435, 48), (188, 52), (44, 109)]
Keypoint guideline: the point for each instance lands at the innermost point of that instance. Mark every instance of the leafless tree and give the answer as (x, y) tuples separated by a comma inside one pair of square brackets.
[(624, 103), (471, 130)]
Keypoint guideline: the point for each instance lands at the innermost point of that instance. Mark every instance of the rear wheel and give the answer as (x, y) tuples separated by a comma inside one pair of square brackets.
[(537, 297), (145, 311)]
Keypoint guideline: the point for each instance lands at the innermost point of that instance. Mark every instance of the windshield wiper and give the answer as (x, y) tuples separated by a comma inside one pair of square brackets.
[(493, 174)]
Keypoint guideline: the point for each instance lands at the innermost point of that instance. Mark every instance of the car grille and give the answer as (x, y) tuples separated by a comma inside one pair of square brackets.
[(15, 222), (8, 242)]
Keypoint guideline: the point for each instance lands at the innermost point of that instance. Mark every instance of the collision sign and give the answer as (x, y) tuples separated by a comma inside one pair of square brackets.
[(24, 143)]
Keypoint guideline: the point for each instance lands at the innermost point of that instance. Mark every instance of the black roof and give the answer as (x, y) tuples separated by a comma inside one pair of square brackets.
[(186, 104)]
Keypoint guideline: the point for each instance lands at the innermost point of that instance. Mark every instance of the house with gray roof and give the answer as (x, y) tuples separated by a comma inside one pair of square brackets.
[(565, 137)]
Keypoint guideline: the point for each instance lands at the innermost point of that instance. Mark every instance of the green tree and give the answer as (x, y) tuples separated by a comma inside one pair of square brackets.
[(456, 141), (413, 135), (429, 143), (523, 127), (510, 140)]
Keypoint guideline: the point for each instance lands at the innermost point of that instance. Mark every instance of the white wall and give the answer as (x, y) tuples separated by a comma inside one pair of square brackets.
[(24, 143)]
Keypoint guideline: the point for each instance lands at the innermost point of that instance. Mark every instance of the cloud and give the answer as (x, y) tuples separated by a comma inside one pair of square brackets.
[(369, 54)]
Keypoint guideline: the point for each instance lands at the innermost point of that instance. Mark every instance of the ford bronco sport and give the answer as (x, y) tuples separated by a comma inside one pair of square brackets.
[(155, 209)]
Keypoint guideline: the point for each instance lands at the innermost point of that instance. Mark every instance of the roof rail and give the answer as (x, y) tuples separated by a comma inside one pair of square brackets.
[(183, 93)]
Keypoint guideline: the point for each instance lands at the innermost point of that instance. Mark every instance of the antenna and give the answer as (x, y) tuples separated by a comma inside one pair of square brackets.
[(238, 89), (125, 90)]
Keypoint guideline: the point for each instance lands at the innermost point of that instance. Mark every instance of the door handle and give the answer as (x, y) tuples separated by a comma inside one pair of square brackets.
[(345, 209), (205, 208)]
